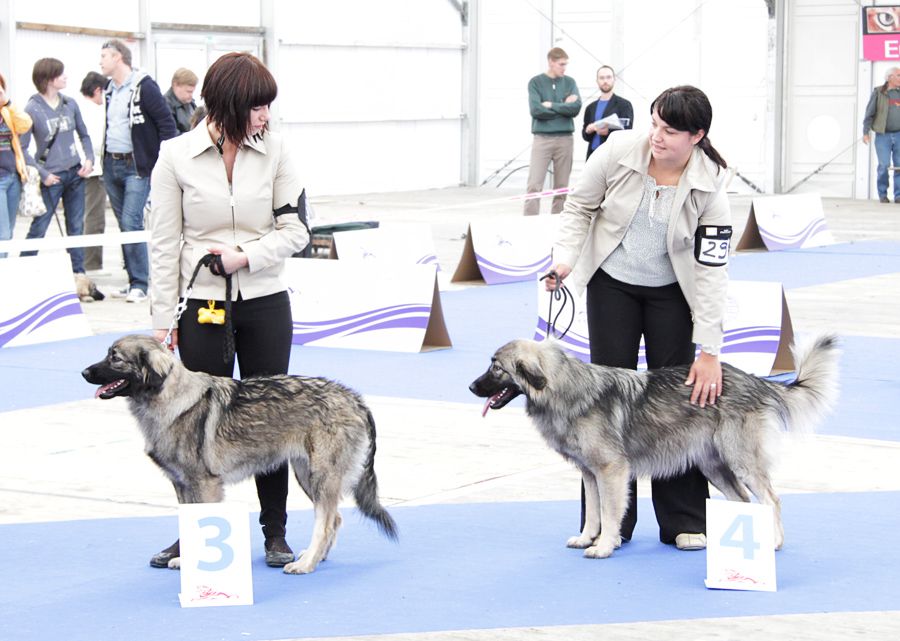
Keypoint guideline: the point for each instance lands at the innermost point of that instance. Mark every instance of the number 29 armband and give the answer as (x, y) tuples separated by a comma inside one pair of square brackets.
[(711, 245)]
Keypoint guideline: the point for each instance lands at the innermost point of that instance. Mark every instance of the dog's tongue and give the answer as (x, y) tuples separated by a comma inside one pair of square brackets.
[(487, 403)]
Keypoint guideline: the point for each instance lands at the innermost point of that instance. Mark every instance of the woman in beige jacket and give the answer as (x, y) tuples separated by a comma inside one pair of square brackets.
[(647, 230), (228, 187)]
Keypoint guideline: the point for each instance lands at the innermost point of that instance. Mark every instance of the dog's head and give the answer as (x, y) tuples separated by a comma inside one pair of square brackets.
[(133, 364), (516, 368)]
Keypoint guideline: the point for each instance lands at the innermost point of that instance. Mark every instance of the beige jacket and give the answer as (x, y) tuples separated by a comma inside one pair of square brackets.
[(192, 208), (600, 208)]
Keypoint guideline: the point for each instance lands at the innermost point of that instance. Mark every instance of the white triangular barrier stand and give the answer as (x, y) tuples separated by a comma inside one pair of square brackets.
[(395, 243), (740, 546), (214, 541), (785, 222), (39, 303), (758, 330), (506, 250), (388, 307)]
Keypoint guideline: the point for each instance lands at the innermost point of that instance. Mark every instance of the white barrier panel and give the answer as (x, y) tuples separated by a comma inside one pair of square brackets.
[(400, 244), (506, 250), (758, 330), (785, 222), (39, 303), (215, 555), (740, 546), (395, 308), (106, 239)]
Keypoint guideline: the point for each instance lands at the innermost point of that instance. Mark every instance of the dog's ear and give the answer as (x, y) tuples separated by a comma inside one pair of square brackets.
[(531, 372), (155, 366)]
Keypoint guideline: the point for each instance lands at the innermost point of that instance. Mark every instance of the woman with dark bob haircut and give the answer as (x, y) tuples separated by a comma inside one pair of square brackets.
[(228, 187), (647, 232)]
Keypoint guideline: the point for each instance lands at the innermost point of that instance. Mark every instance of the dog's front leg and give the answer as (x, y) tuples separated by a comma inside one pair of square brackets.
[(591, 513), (612, 480)]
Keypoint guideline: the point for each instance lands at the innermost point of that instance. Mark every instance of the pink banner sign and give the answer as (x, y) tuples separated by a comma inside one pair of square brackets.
[(881, 32)]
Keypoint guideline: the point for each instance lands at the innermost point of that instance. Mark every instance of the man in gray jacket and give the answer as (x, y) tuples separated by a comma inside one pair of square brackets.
[(554, 102), (883, 117)]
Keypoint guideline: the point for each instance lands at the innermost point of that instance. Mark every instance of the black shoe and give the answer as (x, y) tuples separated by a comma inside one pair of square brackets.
[(884, 199), (161, 559), (278, 552), (897, 199)]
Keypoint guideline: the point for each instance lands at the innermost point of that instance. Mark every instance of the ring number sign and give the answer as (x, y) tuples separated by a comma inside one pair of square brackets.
[(215, 555), (740, 551)]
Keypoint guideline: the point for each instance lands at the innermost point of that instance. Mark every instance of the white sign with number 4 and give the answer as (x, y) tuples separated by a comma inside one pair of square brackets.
[(215, 554), (740, 546)]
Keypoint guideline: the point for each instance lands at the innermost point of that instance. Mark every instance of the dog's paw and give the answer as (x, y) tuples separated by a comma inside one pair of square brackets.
[(616, 541), (175, 563), (579, 542), (299, 567), (598, 552)]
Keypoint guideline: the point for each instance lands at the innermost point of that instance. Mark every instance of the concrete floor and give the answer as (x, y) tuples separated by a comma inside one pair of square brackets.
[(99, 470)]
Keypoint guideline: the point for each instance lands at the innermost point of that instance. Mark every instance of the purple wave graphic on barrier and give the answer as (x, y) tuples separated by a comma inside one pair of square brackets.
[(408, 316), (775, 241), (429, 259), (496, 274), (754, 339), (46, 311)]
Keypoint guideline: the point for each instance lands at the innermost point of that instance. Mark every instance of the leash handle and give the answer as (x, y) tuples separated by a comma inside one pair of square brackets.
[(560, 293)]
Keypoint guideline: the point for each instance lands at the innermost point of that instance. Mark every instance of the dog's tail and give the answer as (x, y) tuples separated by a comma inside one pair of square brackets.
[(366, 490), (814, 392)]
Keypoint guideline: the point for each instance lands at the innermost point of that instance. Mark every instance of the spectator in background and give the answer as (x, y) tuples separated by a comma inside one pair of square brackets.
[(608, 104), (180, 98), (14, 124), (92, 88), (883, 117), (137, 120), (57, 119), (554, 102)]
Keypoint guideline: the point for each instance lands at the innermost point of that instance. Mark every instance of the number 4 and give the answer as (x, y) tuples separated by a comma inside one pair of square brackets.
[(746, 542)]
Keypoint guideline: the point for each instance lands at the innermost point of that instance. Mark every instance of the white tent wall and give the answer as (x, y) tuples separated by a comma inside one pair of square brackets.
[(411, 94)]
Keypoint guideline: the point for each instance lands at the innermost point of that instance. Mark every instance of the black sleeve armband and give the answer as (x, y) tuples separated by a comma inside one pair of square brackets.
[(711, 244), (301, 209)]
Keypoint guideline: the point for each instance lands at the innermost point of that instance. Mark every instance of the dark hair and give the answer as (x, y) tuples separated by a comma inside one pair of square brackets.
[(121, 47), (235, 84), (686, 108), (92, 81), (2, 82), (198, 115), (45, 70), (606, 67)]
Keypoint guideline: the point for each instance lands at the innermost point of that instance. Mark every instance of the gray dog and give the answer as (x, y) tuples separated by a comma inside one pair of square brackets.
[(615, 424), (205, 431)]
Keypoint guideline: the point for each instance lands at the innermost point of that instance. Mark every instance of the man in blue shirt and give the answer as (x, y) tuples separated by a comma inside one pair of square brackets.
[(607, 105)]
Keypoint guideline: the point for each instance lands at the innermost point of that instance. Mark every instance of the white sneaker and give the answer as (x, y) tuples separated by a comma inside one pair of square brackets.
[(690, 541), (136, 296), (120, 293)]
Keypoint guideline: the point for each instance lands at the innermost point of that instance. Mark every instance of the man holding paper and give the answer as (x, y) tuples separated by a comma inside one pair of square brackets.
[(608, 113)]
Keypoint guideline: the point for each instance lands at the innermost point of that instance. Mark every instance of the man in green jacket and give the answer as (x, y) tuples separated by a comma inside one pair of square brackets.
[(554, 102)]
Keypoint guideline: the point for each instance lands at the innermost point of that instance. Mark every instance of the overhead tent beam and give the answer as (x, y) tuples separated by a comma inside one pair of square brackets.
[(208, 28), (86, 31)]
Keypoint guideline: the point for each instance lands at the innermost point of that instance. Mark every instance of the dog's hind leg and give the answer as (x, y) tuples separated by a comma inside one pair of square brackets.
[(591, 513), (325, 502), (762, 489), (612, 481), (724, 480)]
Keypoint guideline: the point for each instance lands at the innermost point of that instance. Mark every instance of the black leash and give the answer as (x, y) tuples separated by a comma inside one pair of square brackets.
[(560, 293), (215, 265)]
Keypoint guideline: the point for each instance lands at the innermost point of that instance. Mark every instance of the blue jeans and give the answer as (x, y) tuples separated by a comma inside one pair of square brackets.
[(128, 194), (887, 148), (10, 189), (71, 189)]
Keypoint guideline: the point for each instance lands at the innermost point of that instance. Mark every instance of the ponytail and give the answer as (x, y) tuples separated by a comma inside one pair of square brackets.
[(711, 152)]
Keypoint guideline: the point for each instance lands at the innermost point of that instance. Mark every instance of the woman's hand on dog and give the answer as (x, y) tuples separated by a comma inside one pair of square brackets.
[(160, 335), (706, 377), (550, 283)]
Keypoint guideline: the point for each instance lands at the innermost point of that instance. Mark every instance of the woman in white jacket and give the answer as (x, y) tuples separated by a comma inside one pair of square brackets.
[(647, 231), (228, 187)]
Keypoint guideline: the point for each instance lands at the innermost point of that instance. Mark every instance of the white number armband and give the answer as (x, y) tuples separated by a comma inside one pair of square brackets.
[(711, 244)]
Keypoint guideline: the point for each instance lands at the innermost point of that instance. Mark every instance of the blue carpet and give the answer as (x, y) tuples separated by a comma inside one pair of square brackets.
[(456, 567), (818, 265)]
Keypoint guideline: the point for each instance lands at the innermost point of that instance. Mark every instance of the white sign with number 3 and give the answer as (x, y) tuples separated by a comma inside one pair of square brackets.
[(740, 546), (215, 554)]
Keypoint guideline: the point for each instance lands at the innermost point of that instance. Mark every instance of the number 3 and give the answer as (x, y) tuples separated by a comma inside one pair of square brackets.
[(746, 542), (218, 541)]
